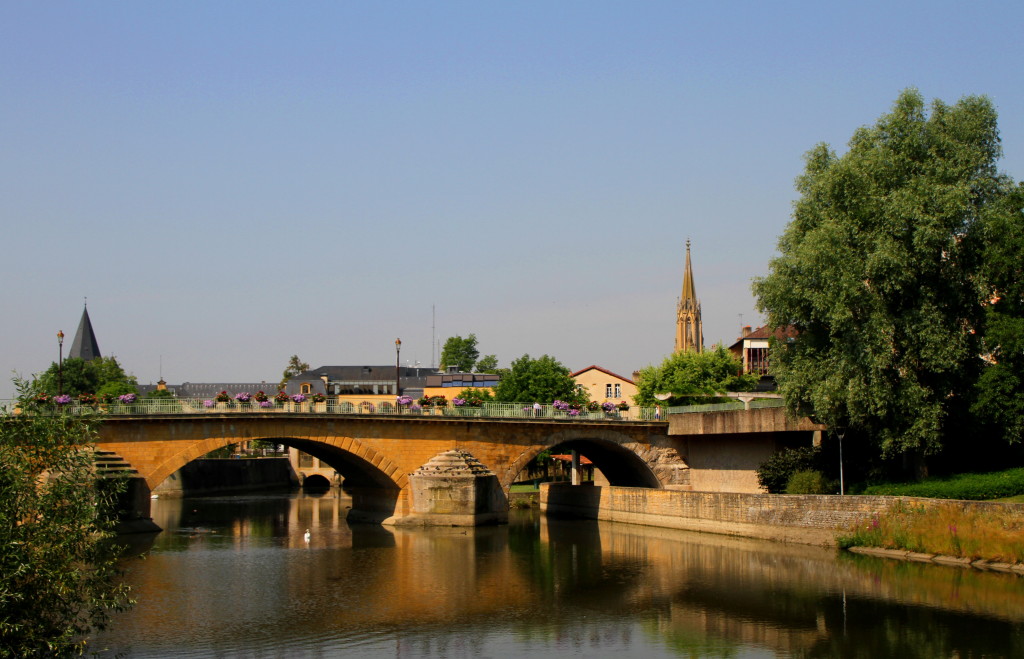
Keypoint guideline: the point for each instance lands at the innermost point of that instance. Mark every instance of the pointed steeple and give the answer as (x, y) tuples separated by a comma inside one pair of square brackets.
[(689, 329), (84, 346)]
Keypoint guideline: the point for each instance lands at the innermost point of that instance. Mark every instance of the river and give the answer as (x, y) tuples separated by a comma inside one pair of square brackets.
[(233, 576)]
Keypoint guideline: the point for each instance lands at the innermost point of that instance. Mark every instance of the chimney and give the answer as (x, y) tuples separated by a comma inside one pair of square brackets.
[(746, 331)]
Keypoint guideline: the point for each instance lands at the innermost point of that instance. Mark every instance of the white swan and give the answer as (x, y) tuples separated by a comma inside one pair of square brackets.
[(306, 536)]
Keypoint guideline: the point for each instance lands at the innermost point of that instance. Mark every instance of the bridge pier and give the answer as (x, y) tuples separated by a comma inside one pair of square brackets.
[(134, 512), (455, 489)]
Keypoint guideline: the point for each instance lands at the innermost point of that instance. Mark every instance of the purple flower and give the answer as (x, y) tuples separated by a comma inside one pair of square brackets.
[(127, 399), (62, 400), (298, 398), (608, 406), (265, 403), (560, 405), (208, 403), (415, 408), (404, 400), (243, 397), (458, 402), (574, 412)]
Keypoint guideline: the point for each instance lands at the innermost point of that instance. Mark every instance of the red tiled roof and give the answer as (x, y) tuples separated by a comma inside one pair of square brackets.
[(584, 460), (603, 370)]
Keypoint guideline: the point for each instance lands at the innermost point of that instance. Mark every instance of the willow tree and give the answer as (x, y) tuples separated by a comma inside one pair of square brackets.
[(879, 272)]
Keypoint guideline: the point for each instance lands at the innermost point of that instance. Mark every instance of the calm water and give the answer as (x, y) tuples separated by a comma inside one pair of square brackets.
[(234, 577)]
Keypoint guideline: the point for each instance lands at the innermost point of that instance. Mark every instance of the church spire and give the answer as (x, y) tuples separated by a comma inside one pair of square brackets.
[(84, 346), (689, 329)]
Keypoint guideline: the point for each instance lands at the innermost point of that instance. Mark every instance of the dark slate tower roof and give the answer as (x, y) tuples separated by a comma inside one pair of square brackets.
[(84, 346)]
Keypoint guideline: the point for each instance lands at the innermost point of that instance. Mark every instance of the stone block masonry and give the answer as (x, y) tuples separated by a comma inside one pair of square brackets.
[(807, 519)]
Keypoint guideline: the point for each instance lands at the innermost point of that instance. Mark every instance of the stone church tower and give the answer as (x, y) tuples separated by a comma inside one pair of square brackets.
[(689, 330)]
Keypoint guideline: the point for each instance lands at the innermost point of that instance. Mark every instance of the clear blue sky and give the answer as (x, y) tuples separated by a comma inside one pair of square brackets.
[(231, 183)]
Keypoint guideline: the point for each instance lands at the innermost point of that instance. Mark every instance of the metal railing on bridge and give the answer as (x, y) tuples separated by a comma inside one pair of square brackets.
[(194, 406)]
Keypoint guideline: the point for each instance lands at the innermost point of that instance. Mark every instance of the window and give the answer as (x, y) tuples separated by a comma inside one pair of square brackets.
[(306, 388), (608, 391), (757, 361), (618, 391)]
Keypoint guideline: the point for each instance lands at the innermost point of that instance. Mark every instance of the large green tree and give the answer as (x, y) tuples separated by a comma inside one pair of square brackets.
[(542, 380), (58, 577), (692, 378), (103, 375), (1000, 389), (878, 271), (460, 352)]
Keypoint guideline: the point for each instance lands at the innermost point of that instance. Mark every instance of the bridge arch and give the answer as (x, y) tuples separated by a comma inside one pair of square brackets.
[(619, 457), (361, 465)]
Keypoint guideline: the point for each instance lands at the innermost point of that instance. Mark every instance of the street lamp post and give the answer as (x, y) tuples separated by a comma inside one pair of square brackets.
[(842, 485), (398, 350), (60, 362)]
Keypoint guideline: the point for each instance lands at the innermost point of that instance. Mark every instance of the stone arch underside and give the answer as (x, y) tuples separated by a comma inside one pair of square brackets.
[(621, 458), (362, 465)]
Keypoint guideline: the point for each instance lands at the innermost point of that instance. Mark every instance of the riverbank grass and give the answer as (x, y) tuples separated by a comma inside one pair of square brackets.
[(973, 487), (946, 529)]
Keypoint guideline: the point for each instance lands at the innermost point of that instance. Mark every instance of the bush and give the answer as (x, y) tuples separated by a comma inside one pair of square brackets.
[(971, 487), (808, 481), (774, 473)]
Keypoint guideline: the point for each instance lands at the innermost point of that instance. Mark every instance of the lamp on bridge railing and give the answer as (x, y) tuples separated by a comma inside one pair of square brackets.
[(398, 350), (60, 362)]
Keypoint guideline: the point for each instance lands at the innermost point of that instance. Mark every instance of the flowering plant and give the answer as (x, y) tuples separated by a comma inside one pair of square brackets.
[(574, 412), (298, 398), (265, 403), (367, 406), (62, 399), (607, 406), (404, 400), (458, 402), (223, 397), (423, 402), (593, 406), (560, 405), (127, 399), (623, 406), (319, 398), (415, 408), (260, 397), (281, 398), (243, 397), (208, 403), (43, 398), (439, 401), (87, 399)]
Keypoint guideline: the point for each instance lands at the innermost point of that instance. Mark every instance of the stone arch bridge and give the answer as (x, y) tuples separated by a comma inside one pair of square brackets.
[(456, 470), (379, 456)]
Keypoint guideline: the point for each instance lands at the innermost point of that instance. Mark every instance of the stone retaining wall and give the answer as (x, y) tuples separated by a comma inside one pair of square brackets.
[(810, 519)]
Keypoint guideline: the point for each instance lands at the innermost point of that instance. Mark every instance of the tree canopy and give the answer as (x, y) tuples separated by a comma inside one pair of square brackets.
[(692, 378), (487, 364), (879, 273), (460, 352), (294, 367), (541, 380), (58, 576), (75, 376)]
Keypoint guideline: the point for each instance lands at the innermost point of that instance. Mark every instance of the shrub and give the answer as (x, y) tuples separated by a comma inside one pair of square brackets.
[(808, 481), (774, 473)]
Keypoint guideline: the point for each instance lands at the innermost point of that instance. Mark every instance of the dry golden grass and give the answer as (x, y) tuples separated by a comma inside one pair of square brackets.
[(944, 529)]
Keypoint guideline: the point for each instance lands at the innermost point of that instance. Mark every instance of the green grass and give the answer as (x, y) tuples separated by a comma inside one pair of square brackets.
[(973, 487)]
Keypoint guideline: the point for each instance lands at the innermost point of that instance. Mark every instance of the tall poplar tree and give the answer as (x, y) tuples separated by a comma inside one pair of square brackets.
[(879, 271)]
